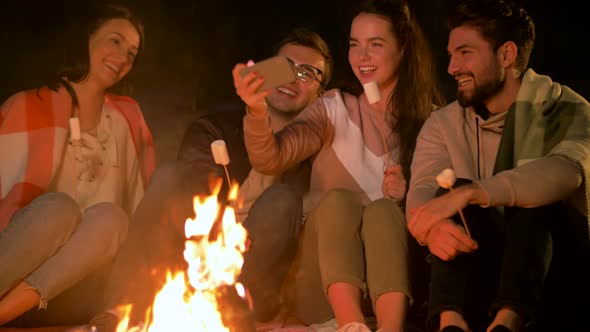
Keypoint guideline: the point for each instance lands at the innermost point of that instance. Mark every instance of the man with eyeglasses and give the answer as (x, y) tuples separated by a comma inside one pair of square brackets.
[(273, 207), (306, 73)]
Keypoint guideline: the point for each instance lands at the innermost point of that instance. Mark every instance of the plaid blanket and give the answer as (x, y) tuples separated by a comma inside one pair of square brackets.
[(34, 130), (547, 119)]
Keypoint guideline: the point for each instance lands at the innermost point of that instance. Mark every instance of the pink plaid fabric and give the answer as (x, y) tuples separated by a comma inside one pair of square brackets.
[(34, 129)]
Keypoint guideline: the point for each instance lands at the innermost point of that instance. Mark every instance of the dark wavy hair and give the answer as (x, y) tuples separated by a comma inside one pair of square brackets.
[(75, 63), (498, 21), (416, 93)]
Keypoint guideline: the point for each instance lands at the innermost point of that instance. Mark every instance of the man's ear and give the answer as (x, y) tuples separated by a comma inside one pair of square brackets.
[(507, 54)]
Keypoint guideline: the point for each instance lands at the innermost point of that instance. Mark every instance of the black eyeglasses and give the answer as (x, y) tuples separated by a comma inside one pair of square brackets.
[(306, 73)]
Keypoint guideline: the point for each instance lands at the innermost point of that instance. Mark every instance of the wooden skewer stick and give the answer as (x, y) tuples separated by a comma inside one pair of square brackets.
[(446, 179), (219, 151), (463, 219), (232, 202)]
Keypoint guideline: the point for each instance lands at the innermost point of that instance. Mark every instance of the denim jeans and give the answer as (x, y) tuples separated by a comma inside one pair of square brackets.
[(533, 260), (156, 241), (62, 253), (273, 224)]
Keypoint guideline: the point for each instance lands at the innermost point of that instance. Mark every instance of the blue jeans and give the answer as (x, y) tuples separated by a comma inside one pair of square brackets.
[(273, 225), (156, 241), (62, 253)]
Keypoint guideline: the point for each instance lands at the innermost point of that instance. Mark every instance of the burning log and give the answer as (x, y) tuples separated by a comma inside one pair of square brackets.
[(235, 312), (206, 297)]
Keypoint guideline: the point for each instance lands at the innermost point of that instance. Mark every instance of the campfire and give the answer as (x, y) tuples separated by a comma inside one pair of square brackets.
[(206, 297)]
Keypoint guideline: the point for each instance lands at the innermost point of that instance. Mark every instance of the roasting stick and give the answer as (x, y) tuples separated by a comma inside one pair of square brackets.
[(75, 139), (221, 157), (446, 179)]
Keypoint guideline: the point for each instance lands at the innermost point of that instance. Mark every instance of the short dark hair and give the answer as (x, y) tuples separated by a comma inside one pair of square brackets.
[(498, 21), (308, 38), (75, 62)]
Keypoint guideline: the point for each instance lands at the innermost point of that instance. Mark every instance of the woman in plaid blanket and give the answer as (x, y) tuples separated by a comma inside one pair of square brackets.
[(80, 158)]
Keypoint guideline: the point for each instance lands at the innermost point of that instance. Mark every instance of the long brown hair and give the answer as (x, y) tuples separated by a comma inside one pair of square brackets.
[(416, 93)]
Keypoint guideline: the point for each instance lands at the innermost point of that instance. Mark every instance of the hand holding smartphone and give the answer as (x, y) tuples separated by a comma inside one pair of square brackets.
[(276, 72)]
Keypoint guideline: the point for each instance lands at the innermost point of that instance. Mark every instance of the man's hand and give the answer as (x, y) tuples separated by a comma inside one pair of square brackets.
[(425, 217), (447, 240), (247, 88), (394, 184)]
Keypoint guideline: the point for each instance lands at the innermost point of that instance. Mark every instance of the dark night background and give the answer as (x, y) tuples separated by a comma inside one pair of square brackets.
[(192, 45)]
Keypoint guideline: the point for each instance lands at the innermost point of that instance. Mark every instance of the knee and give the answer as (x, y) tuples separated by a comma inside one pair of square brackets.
[(59, 211), (109, 221), (384, 219), (336, 199), (338, 208), (283, 199), (278, 211), (384, 213), (55, 203)]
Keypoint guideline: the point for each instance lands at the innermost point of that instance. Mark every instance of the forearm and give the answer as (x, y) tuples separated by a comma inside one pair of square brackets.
[(537, 183), (418, 196), (430, 158), (261, 144), (273, 154)]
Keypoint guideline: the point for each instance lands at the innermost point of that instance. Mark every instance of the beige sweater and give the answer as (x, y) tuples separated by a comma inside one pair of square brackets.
[(342, 134), (458, 138)]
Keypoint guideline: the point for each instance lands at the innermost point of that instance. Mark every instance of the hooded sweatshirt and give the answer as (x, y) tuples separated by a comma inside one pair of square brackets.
[(549, 153)]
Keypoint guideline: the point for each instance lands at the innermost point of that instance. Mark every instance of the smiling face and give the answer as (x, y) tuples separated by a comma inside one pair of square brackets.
[(374, 53), (112, 47), (295, 96), (475, 66)]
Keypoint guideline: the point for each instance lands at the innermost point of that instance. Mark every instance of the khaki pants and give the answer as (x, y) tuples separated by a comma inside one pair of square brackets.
[(345, 241)]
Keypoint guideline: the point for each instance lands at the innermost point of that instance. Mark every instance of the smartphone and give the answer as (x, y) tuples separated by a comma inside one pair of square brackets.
[(276, 72)]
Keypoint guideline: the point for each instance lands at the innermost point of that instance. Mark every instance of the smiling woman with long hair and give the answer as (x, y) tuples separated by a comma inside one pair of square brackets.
[(354, 240), (80, 159)]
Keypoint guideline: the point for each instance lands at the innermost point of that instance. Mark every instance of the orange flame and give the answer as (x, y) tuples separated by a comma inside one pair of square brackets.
[(181, 307)]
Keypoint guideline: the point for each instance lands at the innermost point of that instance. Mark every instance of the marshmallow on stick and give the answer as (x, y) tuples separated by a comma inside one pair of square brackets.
[(372, 92), (446, 179), (221, 157), (75, 128), (220, 152)]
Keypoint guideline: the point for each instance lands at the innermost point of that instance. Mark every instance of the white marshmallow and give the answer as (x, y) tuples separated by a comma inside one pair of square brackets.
[(75, 128), (220, 152), (372, 92), (446, 179)]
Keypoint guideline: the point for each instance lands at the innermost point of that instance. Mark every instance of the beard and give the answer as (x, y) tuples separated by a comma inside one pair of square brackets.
[(483, 91)]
